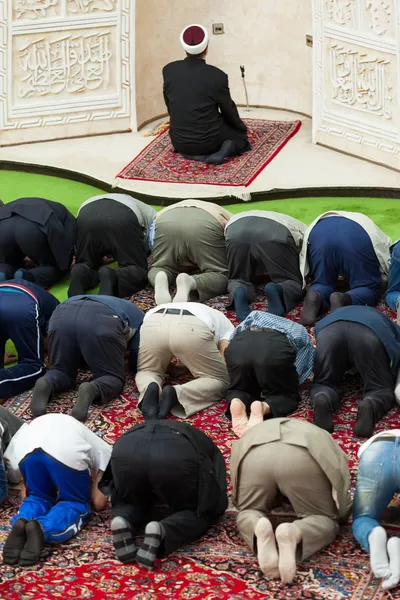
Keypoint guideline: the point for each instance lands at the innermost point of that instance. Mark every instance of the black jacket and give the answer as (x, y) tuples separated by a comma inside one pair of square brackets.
[(54, 220), (200, 106), (212, 497)]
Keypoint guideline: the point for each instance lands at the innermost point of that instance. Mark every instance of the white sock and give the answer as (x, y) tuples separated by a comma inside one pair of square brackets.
[(393, 548), (184, 285), (287, 535), (161, 289), (377, 540), (267, 553)]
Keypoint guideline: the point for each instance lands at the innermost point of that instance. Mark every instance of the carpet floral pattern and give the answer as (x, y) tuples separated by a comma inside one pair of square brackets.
[(217, 567), (158, 161)]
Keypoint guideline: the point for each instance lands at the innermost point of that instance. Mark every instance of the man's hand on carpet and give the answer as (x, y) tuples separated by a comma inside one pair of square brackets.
[(9, 358)]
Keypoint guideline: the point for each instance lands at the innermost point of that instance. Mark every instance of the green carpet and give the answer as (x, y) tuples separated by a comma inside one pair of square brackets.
[(385, 213)]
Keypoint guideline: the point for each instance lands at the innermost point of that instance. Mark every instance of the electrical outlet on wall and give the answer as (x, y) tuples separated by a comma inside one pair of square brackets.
[(218, 28), (309, 40)]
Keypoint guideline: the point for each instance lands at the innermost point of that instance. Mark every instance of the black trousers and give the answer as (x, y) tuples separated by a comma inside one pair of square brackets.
[(261, 366), (162, 467), (86, 330), (255, 243), (195, 148), (20, 238), (342, 345), (106, 227)]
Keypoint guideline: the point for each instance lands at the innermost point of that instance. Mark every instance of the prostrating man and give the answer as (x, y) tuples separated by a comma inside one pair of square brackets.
[(204, 121), (267, 358), (268, 243), (189, 235), (61, 463), (97, 330), (364, 338), (25, 311), (393, 289), (195, 334), (115, 225), (38, 229), (378, 480), (9, 425), (305, 464), (345, 244), (168, 463)]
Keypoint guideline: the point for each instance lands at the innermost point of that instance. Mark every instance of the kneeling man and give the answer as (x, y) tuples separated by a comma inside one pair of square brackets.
[(61, 463), (164, 463), (204, 121), (305, 464), (97, 330), (195, 334)]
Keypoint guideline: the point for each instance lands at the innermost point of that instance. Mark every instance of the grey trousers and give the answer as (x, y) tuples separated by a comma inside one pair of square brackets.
[(259, 245), (191, 236), (279, 467)]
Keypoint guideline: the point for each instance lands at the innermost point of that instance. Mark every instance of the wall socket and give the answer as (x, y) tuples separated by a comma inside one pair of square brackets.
[(218, 28), (309, 41)]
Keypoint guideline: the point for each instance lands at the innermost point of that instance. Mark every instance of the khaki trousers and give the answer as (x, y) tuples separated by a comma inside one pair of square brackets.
[(188, 339), (187, 235), (278, 467)]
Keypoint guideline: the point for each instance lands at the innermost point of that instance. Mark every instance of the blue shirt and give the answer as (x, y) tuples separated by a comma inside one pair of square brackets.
[(130, 315), (46, 301), (384, 328), (296, 334)]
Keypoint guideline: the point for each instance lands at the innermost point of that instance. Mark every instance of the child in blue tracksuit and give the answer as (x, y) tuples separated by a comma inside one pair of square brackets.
[(25, 311), (61, 462)]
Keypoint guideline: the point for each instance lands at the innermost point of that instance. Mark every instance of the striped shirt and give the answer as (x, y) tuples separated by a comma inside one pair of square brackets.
[(296, 334)]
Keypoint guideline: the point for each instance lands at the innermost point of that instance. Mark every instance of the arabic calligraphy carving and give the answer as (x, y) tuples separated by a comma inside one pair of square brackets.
[(341, 12), (91, 6), (380, 15), (73, 63), (35, 9), (360, 82)]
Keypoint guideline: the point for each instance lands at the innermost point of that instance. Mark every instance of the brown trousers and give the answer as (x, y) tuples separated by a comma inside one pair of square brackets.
[(188, 339), (278, 467)]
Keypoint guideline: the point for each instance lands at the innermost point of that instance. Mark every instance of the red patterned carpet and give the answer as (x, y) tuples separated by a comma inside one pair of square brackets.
[(159, 162), (217, 567)]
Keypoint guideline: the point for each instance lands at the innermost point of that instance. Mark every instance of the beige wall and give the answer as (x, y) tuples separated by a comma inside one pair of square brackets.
[(267, 36)]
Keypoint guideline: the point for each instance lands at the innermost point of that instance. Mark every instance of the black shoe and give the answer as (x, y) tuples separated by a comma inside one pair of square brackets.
[(108, 281), (323, 413), (227, 149), (30, 554), (366, 419), (150, 402), (311, 308), (169, 399), (42, 393), (15, 542), (87, 394), (82, 278), (338, 300)]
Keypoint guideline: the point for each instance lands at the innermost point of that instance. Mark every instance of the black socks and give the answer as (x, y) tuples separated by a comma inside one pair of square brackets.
[(42, 393), (365, 422), (338, 300), (150, 402), (276, 303), (108, 281), (169, 399), (241, 303), (87, 393), (24, 544), (227, 149), (82, 278), (311, 308), (323, 413), (15, 542)]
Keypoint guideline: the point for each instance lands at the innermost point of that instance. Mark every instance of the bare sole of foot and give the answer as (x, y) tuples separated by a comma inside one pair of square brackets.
[(239, 417), (267, 553), (287, 537), (256, 414)]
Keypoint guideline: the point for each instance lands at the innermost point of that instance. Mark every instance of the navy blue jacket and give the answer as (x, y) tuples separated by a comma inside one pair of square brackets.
[(47, 302), (383, 327)]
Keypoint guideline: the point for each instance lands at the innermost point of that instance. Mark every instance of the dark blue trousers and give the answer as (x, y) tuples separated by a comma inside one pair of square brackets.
[(19, 322), (340, 246), (57, 496)]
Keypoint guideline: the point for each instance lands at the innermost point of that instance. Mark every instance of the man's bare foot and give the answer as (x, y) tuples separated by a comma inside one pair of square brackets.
[(267, 553), (287, 535), (257, 412), (239, 417)]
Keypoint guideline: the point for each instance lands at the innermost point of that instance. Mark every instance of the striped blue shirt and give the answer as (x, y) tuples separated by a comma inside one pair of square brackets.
[(296, 334)]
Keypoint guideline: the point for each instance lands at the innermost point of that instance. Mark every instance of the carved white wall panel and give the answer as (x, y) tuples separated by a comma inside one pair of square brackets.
[(65, 68), (357, 78)]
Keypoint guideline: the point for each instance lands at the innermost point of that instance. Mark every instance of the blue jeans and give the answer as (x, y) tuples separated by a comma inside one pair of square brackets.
[(378, 480), (393, 290), (58, 496)]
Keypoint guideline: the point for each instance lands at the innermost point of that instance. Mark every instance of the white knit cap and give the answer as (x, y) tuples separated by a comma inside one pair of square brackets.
[(194, 39)]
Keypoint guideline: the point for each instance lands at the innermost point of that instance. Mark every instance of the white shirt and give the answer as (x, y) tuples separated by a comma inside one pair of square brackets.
[(215, 320), (62, 437), (380, 241), (296, 228), (390, 432)]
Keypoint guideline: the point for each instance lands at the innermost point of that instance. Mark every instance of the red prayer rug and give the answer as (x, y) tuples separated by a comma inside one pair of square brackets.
[(219, 566), (159, 163)]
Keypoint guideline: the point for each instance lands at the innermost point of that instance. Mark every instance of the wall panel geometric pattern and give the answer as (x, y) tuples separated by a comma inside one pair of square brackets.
[(65, 68), (357, 78)]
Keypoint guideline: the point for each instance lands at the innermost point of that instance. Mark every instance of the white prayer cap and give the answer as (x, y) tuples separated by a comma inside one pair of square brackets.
[(194, 39)]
